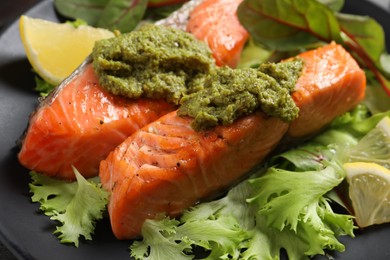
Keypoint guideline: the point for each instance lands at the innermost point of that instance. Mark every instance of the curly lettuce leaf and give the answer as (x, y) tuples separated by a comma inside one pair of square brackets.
[(160, 243), (172, 239), (43, 87), (76, 205), (286, 206), (309, 157), (288, 197), (232, 228)]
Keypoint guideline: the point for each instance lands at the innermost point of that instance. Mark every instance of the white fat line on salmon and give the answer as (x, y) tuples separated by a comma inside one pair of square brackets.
[(179, 18)]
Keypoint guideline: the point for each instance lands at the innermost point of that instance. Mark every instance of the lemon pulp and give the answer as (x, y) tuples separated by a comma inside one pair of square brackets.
[(369, 191), (374, 146)]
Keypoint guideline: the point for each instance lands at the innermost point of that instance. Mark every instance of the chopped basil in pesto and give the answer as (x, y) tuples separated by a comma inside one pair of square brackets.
[(161, 62), (153, 62), (228, 94)]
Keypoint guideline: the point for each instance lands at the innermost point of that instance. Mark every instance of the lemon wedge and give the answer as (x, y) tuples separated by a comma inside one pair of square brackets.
[(56, 49), (374, 146), (369, 191)]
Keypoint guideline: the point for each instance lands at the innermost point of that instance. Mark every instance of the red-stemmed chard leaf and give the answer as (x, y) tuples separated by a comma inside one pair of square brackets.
[(288, 24), (87, 10), (122, 15), (335, 5), (365, 38)]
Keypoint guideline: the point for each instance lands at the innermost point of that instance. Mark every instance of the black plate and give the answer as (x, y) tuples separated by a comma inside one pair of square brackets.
[(27, 233)]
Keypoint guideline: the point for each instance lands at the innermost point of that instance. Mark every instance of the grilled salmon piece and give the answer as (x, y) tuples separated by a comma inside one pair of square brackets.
[(167, 166), (80, 123), (216, 23), (331, 84)]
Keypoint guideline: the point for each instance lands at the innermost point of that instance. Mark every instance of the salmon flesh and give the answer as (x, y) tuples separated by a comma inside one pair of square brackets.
[(80, 123), (166, 166)]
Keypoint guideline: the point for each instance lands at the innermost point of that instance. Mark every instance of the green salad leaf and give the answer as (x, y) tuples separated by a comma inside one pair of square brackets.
[(77, 23), (76, 205), (335, 5), (376, 99), (289, 197), (290, 24), (122, 15), (88, 10), (364, 32), (232, 228), (286, 204), (162, 9), (43, 87), (296, 25)]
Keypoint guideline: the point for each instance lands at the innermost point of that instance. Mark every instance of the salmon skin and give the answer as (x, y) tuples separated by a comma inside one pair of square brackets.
[(166, 166), (179, 18), (216, 23), (80, 123)]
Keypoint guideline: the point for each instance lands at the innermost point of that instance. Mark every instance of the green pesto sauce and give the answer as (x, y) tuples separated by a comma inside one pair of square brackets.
[(153, 61), (228, 94), (161, 62)]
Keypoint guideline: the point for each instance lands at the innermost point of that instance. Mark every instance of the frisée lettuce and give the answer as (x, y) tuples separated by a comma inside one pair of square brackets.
[(236, 227), (76, 205), (285, 204)]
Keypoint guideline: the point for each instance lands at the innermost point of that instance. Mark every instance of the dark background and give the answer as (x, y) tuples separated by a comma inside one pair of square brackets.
[(10, 10)]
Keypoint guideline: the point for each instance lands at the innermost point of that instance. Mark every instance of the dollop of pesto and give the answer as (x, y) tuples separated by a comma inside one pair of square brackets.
[(228, 94), (153, 62), (160, 62)]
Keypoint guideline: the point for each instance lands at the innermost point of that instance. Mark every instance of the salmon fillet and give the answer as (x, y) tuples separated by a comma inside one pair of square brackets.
[(79, 124), (331, 84), (166, 166), (216, 23), (59, 136)]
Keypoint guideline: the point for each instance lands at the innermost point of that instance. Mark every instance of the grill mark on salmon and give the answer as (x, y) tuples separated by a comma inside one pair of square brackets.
[(179, 18), (147, 174)]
